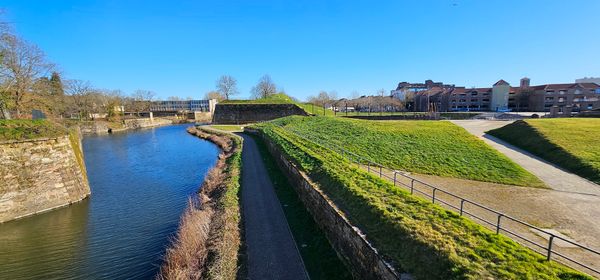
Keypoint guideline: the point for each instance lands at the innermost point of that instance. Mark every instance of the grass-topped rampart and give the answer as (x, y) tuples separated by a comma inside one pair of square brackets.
[(30, 129), (415, 235), (427, 147), (570, 143)]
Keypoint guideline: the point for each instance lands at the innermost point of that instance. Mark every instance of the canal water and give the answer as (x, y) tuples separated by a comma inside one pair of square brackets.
[(140, 182)]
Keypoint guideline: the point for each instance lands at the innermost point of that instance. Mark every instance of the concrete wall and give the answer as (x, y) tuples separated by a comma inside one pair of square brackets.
[(348, 241), (39, 175), (251, 113), (145, 122)]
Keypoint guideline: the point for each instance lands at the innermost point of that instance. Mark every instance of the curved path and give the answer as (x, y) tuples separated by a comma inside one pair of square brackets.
[(554, 177), (271, 249)]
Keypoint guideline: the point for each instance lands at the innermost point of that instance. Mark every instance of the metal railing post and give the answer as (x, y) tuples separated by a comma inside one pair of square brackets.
[(380, 172), (550, 247), (369, 166), (498, 224), (395, 178), (433, 196), (412, 186), (462, 203)]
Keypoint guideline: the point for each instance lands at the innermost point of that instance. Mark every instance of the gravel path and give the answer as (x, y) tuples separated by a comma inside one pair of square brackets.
[(271, 250), (554, 177)]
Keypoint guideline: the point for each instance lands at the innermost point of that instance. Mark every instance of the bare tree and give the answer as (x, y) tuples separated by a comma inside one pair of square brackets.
[(264, 88), (322, 99), (80, 93), (214, 95), (21, 65), (227, 86), (380, 100), (142, 100)]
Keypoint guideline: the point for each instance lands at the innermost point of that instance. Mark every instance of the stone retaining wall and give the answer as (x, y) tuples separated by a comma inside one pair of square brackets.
[(251, 113), (39, 175), (347, 240)]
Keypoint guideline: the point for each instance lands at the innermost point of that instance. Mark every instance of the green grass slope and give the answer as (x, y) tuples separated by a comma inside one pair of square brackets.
[(29, 129), (415, 235), (569, 143), (427, 147)]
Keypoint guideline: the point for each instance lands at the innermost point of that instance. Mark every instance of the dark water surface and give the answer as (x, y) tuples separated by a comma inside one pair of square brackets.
[(140, 182)]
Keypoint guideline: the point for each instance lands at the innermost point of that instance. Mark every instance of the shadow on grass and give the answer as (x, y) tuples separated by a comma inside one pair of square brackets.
[(526, 137)]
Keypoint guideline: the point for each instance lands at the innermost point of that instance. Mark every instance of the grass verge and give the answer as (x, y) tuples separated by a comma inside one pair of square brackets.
[(29, 129), (208, 242), (319, 258), (228, 128), (415, 235), (569, 143), (428, 147)]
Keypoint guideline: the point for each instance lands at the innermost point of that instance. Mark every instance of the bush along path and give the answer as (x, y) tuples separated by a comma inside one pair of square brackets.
[(208, 241), (270, 247)]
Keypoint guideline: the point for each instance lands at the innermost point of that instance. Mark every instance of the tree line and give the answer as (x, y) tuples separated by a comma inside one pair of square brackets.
[(226, 87), (29, 81)]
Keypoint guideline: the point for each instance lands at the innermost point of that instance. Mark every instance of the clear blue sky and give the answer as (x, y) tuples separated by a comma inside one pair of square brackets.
[(182, 47)]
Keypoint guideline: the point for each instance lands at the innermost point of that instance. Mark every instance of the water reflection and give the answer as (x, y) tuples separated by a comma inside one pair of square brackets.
[(140, 181)]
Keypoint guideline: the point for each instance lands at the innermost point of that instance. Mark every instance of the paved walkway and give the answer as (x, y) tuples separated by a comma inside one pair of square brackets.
[(554, 177), (271, 249)]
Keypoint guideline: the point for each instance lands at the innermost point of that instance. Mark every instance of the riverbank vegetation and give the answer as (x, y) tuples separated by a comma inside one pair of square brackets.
[(427, 147), (569, 143), (413, 234), (29, 129), (208, 242)]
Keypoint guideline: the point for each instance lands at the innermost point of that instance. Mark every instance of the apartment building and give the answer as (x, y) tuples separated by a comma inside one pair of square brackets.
[(571, 97)]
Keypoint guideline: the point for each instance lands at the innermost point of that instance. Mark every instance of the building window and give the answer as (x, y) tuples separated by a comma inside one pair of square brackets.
[(549, 92), (590, 106), (577, 91), (563, 92), (561, 99), (549, 99)]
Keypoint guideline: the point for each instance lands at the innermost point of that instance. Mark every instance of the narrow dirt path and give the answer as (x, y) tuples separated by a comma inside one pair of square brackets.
[(554, 177), (271, 250)]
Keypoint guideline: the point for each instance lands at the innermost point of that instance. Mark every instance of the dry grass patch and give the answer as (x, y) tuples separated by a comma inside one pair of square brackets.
[(208, 242)]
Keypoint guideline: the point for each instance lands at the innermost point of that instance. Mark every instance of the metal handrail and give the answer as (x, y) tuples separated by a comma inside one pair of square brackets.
[(378, 169)]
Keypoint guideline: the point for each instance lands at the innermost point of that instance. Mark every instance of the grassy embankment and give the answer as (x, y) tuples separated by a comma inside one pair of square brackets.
[(29, 129), (569, 143), (319, 258), (428, 147), (281, 98), (208, 242), (415, 235), (228, 127)]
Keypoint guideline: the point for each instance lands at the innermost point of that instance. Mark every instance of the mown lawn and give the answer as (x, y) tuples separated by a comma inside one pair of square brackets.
[(29, 129), (413, 234), (570, 143), (428, 147)]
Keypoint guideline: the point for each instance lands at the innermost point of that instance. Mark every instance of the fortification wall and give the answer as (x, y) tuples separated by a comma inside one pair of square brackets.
[(348, 241), (251, 113), (40, 174)]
